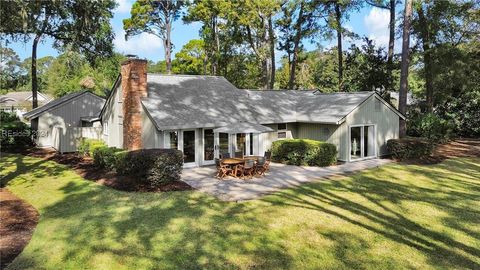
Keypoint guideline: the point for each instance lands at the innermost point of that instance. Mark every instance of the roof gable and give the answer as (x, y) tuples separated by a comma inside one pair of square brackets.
[(57, 102)]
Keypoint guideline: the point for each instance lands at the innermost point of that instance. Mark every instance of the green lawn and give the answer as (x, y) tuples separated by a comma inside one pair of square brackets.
[(398, 216)]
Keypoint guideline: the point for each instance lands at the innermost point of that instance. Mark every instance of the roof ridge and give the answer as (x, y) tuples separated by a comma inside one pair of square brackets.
[(181, 75)]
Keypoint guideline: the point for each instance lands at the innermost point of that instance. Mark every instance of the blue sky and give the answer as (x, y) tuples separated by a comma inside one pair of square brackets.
[(370, 22)]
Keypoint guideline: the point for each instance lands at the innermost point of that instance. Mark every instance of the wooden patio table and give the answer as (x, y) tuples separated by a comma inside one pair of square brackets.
[(233, 162), (237, 161)]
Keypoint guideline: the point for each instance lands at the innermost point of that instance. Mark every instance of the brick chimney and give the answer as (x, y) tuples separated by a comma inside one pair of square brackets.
[(134, 87)]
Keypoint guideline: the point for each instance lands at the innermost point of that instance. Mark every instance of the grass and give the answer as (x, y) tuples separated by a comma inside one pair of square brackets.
[(397, 216)]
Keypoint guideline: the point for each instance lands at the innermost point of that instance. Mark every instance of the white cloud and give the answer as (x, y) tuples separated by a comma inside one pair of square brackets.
[(124, 6), (376, 25), (141, 45)]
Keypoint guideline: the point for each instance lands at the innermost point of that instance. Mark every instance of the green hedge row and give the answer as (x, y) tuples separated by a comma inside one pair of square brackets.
[(150, 167), (153, 166), (410, 148), (304, 152)]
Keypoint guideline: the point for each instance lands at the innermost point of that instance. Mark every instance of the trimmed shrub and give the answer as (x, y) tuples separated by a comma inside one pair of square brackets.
[(153, 167), (304, 152), (409, 148), (14, 134), (87, 147), (104, 157)]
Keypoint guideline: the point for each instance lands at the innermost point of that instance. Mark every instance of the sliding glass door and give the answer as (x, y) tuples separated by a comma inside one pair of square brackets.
[(362, 142), (208, 146), (188, 147)]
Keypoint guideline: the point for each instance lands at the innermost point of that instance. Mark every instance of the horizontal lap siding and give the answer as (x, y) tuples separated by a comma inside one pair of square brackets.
[(386, 121)]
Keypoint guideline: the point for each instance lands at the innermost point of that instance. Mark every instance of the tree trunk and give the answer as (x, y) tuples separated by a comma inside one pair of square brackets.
[(402, 102), (271, 35), (34, 71), (391, 41), (296, 46), (338, 18), (216, 51), (168, 46), (427, 59)]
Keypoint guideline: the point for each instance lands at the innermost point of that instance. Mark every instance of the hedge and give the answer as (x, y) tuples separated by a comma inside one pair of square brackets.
[(409, 148), (87, 147), (14, 134), (304, 152), (153, 167), (104, 157)]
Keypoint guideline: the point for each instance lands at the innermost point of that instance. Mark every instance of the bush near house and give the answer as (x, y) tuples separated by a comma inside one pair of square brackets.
[(410, 148), (304, 152), (430, 126), (87, 146), (14, 134), (104, 157), (150, 167), (153, 167)]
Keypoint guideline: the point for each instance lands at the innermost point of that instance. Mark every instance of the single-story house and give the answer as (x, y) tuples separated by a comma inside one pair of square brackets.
[(181, 111), (21, 102), (78, 109)]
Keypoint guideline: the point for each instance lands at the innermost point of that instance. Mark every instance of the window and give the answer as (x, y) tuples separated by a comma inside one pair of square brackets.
[(282, 131), (171, 140), (377, 105), (87, 124), (105, 128)]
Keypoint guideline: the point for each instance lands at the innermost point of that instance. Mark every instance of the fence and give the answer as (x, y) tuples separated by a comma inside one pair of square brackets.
[(66, 140)]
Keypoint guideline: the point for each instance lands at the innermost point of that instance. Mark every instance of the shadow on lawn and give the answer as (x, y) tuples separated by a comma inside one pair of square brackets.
[(40, 168), (189, 231), (439, 247)]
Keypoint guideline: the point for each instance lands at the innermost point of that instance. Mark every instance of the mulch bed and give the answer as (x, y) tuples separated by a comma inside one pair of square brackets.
[(18, 220), (85, 168), (455, 148)]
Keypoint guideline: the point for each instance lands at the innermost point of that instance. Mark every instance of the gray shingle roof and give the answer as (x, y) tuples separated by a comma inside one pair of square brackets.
[(183, 101), (37, 111)]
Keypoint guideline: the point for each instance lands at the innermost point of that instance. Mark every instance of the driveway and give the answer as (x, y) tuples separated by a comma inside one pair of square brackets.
[(279, 177)]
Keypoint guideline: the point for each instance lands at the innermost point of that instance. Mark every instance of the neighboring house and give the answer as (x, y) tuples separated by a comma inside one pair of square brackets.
[(394, 97), (21, 102), (78, 109), (180, 111)]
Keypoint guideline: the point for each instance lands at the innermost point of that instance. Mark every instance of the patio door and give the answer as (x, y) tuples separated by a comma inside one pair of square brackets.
[(222, 144), (208, 147), (188, 148), (362, 142)]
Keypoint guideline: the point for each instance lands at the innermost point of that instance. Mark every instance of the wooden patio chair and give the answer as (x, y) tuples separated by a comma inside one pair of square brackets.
[(262, 166), (268, 155), (222, 169), (247, 169), (268, 158)]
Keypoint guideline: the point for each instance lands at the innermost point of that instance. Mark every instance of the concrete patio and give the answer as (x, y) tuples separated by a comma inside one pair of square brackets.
[(279, 177)]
